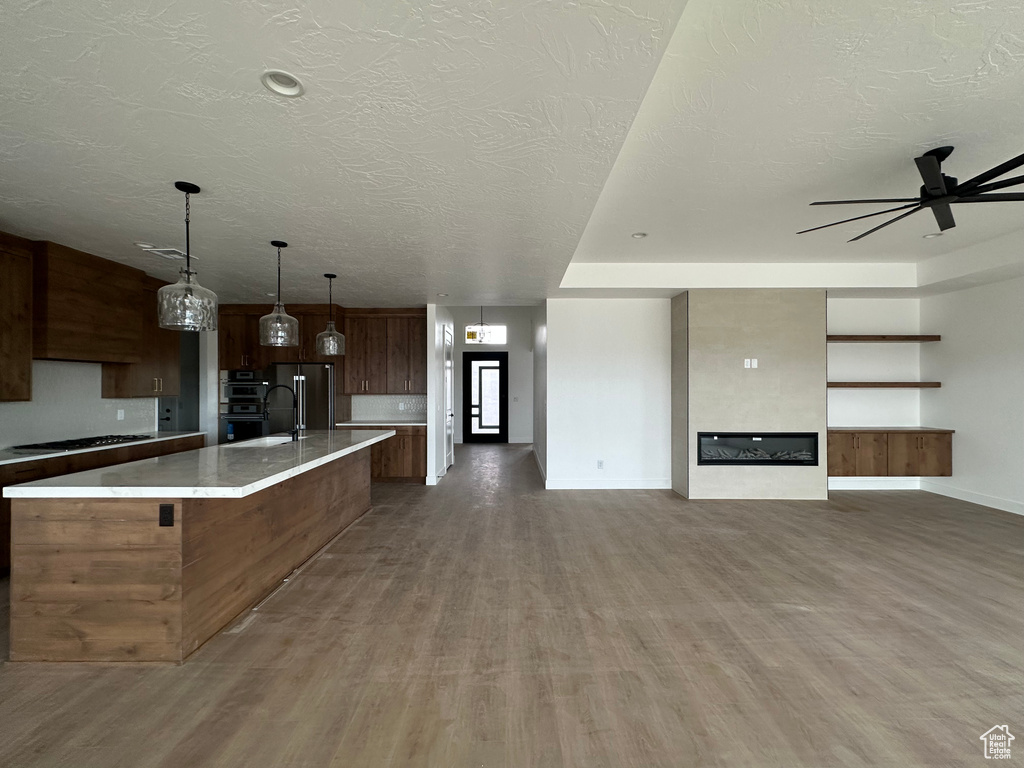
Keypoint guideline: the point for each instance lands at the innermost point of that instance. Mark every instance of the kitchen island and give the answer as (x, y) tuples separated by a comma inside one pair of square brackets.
[(145, 561)]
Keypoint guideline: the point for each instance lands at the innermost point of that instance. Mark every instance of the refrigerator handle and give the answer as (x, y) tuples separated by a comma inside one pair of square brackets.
[(300, 416)]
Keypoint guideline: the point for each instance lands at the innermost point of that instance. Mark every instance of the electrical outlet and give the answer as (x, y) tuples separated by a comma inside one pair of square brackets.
[(746, 362), (600, 463), (401, 406), (120, 414)]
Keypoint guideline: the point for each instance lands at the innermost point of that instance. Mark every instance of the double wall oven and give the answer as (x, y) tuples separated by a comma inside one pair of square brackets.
[(242, 405)]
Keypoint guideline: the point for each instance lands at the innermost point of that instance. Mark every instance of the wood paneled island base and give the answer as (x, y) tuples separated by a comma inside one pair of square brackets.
[(99, 579)]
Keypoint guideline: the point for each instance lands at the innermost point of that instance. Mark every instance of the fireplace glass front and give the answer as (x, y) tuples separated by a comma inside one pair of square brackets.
[(758, 448)]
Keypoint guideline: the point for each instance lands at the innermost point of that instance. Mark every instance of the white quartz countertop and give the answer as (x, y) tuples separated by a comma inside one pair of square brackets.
[(9, 456), (228, 471), (418, 421)]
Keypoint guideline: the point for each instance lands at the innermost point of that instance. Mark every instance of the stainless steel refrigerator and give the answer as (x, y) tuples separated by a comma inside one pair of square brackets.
[(313, 384)]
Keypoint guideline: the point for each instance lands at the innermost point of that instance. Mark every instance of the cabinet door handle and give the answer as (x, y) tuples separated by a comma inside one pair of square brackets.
[(161, 384)]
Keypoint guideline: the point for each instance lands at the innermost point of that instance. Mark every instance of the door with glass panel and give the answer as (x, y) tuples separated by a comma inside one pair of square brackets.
[(485, 397)]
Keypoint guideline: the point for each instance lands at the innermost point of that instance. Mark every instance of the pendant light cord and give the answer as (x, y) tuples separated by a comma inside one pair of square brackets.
[(279, 274), (188, 248), (330, 296)]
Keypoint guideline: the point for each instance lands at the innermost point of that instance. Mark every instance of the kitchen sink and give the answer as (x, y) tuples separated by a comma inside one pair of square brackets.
[(265, 442)]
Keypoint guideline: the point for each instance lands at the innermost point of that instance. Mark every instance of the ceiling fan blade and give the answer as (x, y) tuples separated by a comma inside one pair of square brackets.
[(883, 200), (886, 224), (855, 218), (994, 173), (1010, 182), (998, 197), (943, 216), (931, 175)]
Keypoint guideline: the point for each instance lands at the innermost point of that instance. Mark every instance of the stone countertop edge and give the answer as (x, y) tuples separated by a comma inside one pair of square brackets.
[(382, 423), (7, 458), (52, 488)]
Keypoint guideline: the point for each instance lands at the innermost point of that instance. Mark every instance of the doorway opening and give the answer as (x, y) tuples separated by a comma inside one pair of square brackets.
[(449, 398), (485, 397)]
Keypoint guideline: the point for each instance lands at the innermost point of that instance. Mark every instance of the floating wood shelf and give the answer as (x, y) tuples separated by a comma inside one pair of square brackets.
[(884, 339), (884, 384)]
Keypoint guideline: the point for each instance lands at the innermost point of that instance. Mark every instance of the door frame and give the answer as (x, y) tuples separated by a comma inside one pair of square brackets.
[(468, 358), (449, 397)]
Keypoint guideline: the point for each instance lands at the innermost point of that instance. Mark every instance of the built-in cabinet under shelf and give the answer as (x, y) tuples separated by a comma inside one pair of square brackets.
[(890, 452)]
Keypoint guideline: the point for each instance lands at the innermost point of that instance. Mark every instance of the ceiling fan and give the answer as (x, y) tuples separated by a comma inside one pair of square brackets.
[(939, 192)]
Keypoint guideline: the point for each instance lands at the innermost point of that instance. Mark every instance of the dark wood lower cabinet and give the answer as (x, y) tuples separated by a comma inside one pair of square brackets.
[(399, 459), (920, 455), (52, 466), (893, 452)]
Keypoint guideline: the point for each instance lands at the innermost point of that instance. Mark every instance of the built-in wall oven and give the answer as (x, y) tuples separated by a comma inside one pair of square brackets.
[(242, 415)]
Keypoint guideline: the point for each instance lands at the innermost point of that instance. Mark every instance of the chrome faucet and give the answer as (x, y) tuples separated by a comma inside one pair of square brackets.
[(295, 408)]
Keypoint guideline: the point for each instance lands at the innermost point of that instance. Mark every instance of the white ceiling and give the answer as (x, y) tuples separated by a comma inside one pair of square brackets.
[(453, 147), (462, 147), (761, 106)]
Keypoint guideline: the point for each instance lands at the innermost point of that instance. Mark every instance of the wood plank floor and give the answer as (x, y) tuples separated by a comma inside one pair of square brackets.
[(487, 622)]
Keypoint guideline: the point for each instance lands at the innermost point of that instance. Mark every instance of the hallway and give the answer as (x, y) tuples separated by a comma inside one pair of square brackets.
[(488, 622)]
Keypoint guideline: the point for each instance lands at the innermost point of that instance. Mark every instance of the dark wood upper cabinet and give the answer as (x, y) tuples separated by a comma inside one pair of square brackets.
[(407, 355), (15, 318), (366, 355), (158, 373), (85, 308)]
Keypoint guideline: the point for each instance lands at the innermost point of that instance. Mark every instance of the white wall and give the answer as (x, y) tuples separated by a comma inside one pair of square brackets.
[(66, 403), (980, 362), (438, 318), (520, 364), (608, 387), (540, 388)]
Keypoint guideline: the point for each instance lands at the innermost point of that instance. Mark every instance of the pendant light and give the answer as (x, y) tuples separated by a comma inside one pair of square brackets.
[(279, 329), (478, 334), (330, 343), (186, 305)]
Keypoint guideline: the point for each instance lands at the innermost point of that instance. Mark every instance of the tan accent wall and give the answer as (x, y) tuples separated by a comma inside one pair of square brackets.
[(785, 330), (680, 392)]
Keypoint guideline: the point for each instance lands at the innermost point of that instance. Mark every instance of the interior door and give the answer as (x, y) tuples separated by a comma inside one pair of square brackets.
[(449, 398), (485, 397)]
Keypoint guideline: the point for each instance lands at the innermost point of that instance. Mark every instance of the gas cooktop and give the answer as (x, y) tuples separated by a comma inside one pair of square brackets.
[(82, 442)]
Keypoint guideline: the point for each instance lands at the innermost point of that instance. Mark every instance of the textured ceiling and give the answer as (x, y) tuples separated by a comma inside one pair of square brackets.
[(761, 106), (454, 147)]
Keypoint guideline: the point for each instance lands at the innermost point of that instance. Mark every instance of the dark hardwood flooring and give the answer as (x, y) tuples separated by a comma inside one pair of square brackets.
[(487, 622)]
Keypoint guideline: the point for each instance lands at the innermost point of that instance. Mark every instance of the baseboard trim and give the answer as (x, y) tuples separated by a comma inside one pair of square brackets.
[(540, 466), (589, 484), (874, 483), (996, 502)]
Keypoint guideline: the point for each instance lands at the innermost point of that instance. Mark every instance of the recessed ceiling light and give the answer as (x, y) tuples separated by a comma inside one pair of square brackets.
[(930, 235), (442, 294), (282, 83), (146, 246), (639, 235)]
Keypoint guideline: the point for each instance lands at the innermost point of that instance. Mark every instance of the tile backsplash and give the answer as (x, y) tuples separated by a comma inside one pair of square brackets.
[(368, 407), (66, 403)]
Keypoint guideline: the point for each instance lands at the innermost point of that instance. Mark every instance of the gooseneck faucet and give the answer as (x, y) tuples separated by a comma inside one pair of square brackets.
[(295, 408)]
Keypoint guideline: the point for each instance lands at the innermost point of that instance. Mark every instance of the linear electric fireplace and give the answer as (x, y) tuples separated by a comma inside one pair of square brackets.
[(758, 448)]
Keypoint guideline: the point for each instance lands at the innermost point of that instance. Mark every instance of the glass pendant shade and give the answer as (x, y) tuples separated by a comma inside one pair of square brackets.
[(186, 305), (279, 329), (330, 343)]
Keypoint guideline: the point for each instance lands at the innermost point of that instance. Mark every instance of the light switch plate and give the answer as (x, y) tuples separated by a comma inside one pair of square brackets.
[(120, 414), (753, 362), (746, 362)]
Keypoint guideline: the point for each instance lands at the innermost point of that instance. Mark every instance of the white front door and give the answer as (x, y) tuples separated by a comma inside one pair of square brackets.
[(449, 398)]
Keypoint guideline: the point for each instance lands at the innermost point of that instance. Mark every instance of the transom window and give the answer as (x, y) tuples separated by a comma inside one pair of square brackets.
[(486, 334)]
